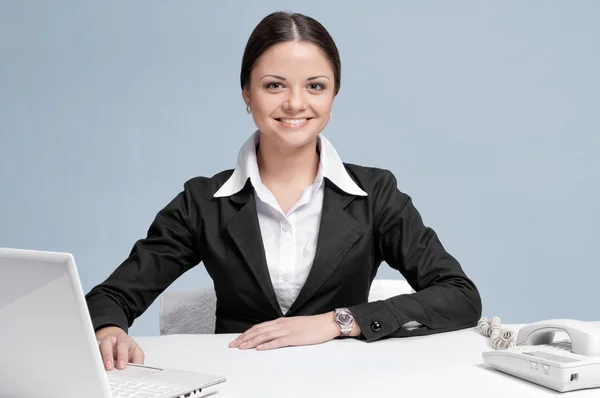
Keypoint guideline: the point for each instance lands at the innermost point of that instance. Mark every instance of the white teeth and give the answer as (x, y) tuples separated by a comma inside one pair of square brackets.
[(293, 122)]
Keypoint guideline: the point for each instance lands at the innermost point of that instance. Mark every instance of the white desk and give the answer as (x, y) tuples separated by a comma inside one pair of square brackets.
[(443, 365)]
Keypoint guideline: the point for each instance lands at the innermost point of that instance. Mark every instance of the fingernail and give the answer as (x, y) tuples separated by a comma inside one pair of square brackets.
[(260, 346), (244, 344), (108, 365), (120, 364)]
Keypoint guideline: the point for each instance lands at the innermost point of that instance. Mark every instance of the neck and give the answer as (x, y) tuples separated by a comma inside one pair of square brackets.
[(277, 165)]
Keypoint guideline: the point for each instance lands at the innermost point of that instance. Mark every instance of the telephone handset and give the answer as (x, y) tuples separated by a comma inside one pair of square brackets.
[(535, 355), (585, 337)]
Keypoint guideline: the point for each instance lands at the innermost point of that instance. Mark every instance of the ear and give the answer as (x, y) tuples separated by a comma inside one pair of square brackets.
[(246, 95)]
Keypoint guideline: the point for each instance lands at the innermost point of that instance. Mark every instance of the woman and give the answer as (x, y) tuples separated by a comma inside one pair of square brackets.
[(292, 238)]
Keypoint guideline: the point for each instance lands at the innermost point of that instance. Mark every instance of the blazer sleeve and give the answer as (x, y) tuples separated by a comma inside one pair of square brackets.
[(445, 299), (169, 250)]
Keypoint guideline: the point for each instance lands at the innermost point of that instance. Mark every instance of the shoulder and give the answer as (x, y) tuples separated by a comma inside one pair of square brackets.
[(382, 187), (205, 187), (372, 180)]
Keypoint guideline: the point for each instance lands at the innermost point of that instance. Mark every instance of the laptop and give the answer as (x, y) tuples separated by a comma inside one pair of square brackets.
[(48, 347)]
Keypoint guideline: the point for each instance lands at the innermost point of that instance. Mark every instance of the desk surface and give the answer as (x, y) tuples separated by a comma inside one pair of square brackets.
[(442, 365)]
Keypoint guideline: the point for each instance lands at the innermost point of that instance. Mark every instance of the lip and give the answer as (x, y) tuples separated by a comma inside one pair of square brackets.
[(295, 126)]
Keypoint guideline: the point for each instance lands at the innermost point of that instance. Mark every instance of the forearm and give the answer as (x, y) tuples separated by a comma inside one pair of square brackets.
[(452, 305), (105, 310)]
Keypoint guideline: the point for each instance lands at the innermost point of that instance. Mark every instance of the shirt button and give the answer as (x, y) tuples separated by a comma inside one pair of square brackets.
[(286, 227), (375, 326), (286, 278)]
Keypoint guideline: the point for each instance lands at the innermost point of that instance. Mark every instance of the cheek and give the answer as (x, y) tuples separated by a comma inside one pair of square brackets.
[(264, 105), (262, 109), (322, 105)]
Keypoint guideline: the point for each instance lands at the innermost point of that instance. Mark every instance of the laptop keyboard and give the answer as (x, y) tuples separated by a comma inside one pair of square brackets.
[(130, 389)]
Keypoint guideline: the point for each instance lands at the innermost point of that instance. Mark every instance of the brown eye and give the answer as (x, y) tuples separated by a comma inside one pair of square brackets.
[(316, 87), (273, 86)]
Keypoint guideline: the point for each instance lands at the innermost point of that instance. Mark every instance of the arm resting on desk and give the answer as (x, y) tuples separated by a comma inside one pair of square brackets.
[(445, 299)]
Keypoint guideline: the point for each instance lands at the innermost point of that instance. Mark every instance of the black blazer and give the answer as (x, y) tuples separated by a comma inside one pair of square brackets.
[(356, 234)]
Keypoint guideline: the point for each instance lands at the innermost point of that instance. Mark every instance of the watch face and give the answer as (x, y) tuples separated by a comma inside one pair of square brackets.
[(344, 318)]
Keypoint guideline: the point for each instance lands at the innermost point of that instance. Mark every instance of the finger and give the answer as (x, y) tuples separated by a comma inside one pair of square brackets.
[(273, 344), (263, 338), (236, 342), (250, 334), (122, 351), (137, 355), (106, 351)]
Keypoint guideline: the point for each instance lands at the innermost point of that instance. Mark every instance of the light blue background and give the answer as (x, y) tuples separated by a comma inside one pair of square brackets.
[(488, 113)]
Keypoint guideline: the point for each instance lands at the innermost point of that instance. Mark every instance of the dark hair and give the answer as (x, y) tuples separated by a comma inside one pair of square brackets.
[(280, 27)]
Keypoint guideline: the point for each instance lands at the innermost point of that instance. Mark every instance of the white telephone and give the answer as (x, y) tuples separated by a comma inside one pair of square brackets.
[(534, 355)]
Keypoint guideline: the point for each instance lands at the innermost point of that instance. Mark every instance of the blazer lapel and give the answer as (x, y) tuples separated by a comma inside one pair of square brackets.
[(245, 232), (338, 232)]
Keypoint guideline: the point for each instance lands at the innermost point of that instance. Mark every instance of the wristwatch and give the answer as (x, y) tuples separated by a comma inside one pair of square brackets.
[(345, 320)]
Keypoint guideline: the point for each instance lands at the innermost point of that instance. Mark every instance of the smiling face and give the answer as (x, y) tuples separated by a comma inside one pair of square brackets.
[(291, 93)]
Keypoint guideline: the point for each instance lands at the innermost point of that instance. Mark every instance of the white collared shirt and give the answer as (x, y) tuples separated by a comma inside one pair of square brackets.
[(290, 240)]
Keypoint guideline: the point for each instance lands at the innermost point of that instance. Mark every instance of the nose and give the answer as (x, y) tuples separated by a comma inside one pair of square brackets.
[(295, 101)]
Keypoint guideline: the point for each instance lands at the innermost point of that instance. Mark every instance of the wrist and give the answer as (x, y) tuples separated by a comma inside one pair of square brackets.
[(345, 323), (355, 330), (108, 330), (333, 326)]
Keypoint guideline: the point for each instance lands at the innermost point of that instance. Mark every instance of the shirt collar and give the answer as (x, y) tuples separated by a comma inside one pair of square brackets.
[(330, 167)]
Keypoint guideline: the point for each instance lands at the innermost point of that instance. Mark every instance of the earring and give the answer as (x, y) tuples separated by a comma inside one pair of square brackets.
[(331, 114), (248, 110)]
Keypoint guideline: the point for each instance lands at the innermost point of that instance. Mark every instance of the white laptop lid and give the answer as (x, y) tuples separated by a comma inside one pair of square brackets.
[(47, 343)]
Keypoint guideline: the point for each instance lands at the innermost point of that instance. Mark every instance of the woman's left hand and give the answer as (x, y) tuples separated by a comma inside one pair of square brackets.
[(283, 332)]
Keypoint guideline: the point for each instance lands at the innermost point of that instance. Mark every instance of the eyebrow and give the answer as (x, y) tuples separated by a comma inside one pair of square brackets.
[(275, 76), (283, 78)]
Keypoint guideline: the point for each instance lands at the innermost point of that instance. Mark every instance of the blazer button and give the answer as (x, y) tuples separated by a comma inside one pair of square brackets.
[(375, 326)]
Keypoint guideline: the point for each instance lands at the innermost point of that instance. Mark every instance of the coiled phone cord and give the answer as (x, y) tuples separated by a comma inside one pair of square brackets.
[(501, 338)]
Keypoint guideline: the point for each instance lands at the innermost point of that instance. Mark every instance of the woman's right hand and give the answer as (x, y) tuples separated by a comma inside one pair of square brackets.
[(116, 347)]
